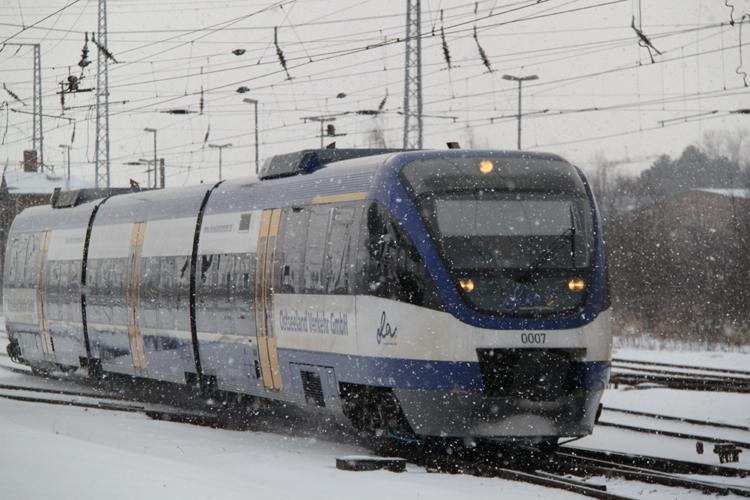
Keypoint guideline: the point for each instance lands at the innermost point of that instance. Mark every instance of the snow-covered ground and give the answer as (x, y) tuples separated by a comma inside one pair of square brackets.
[(59, 452)]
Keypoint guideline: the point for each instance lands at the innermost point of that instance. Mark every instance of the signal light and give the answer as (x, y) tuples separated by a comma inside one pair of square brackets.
[(576, 285), (467, 285), (486, 166)]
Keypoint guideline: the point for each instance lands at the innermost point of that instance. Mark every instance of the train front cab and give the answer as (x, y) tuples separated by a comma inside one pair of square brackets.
[(513, 243)]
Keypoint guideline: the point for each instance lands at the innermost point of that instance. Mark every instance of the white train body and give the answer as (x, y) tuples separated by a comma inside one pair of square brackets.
[(357, 286)]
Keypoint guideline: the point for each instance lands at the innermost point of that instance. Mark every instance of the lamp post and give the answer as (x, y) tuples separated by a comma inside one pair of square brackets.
[(519, 80), (220, 147), (149, 170), (255, 102), (67, 177)]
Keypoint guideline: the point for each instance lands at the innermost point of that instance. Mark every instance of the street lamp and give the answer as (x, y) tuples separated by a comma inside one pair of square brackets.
[(255, 102), (149, 170), (519, 80), (67, 177), (220, 147)]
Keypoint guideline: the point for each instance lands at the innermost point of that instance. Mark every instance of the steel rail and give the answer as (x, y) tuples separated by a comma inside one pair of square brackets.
[(575, 463), (680, 383), (680, 435), (677, 419), (686, 367), (454, 466), (657, 464), (700, 376)]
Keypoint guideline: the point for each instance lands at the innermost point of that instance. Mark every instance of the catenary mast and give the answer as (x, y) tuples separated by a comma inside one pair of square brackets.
[(413, 77)]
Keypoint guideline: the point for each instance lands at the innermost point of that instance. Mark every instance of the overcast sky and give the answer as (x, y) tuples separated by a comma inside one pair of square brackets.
[(599, 93)]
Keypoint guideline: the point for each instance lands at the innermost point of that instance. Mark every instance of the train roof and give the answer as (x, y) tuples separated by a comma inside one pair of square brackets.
[(294, 179)]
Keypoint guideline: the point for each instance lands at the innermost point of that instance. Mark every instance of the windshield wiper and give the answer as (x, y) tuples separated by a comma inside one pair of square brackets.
[(549, 252)]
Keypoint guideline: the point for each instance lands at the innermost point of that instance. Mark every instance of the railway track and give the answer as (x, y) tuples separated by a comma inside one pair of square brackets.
[(556, 474), (571, 469), (692, 424), (650, 470), (673, 376)]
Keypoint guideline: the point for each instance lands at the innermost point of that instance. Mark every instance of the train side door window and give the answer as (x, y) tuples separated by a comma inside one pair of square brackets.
[(317, 235)]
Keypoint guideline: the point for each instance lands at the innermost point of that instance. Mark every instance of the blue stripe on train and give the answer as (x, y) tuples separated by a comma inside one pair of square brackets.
[(388, 190), (427, 374)]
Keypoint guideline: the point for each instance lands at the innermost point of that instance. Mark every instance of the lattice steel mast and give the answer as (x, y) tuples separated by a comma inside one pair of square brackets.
[(102, 102), (37, 140), (38, 134), (413, 77)]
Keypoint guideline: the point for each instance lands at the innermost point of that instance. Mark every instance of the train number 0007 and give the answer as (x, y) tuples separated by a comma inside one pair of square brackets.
[(533, 338)]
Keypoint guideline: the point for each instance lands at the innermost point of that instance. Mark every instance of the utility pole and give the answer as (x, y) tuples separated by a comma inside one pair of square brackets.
[(67, 177), (413, 77), (323, 120), (38, 135), (255, 102), (520, 80), (101, 152), (219, 147), (155, 162)]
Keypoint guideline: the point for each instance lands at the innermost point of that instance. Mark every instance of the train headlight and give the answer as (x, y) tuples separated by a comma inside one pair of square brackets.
[(467, 285), (486, 166), (576, 285)]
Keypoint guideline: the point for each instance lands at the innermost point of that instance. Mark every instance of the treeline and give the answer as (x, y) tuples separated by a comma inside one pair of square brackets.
[(678, 244)]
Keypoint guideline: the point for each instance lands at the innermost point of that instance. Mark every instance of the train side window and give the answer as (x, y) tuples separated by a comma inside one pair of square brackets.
[(245, 298), (181, 282), (92, 279), (105, 281), (119, 270), (31, 248), (52, 310), (292, 244), (317, 235), (338, 250), (224, 278)]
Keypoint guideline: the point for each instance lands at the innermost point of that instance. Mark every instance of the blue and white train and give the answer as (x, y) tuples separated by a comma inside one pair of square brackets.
[(452, 293)]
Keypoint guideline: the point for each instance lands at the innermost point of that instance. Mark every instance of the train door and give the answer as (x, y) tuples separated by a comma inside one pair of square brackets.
[(264, 279), (43, 300), (133, 298)]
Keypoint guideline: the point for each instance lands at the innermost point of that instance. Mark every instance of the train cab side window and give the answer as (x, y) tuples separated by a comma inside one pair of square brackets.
[(389, 264)]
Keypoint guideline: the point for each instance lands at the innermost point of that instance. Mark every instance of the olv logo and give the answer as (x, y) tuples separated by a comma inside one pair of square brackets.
[(384, 331)]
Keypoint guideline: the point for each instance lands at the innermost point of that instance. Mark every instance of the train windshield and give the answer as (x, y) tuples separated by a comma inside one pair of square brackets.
[(515, 234)]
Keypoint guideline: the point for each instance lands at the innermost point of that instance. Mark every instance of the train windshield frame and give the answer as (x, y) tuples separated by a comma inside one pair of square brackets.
[(516, 235)]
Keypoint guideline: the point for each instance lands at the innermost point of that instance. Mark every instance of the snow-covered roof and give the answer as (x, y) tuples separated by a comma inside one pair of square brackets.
[(733, 193), (40, 182)]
